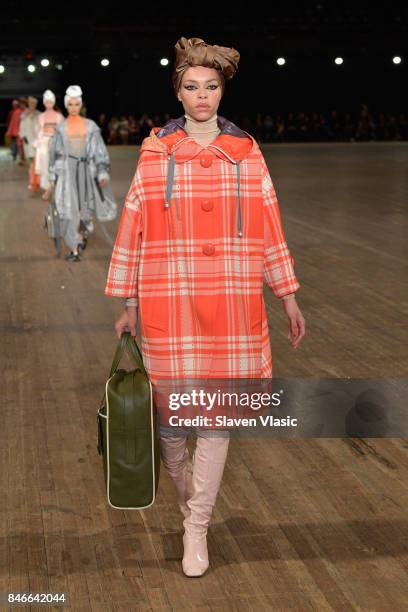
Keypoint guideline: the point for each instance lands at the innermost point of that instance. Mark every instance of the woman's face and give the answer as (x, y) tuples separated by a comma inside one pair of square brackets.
[(49, 104), (200, 92), (73, 106)]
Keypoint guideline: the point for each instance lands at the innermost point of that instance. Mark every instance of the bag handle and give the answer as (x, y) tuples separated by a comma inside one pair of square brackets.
[(126, 342), (134, 351)]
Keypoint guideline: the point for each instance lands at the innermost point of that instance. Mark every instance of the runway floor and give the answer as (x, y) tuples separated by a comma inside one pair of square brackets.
[(315, 524)]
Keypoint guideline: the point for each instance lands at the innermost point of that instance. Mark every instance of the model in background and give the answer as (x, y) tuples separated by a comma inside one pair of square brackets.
[(200, 233), (28, 130), (79, 175), (20, 143), (47, 122), (13, 127)]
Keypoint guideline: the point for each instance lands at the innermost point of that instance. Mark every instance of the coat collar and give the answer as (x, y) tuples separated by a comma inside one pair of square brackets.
[(232, 144)]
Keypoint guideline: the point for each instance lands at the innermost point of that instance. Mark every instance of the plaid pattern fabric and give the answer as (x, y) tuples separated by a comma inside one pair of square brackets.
[(199, 285)]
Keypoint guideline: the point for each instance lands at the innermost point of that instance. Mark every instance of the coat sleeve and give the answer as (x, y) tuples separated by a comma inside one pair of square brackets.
[(102, 160), (124, 264), (55, 157), (278, 268), (38, 132), (22, 132)]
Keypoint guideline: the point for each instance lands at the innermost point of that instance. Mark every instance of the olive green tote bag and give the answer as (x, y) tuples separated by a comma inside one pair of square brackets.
[(128, 437)]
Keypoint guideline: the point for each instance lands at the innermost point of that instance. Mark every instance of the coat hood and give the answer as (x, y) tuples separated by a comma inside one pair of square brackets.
[(232, 144)]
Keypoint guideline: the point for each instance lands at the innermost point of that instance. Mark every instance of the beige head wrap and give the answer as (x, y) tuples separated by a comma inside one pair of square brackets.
[(195, 52)]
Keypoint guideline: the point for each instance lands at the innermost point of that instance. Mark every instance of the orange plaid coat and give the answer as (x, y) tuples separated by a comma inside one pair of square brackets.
[(200, 233)]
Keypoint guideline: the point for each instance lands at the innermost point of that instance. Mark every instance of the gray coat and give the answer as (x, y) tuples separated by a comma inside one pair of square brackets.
[(76, 180)]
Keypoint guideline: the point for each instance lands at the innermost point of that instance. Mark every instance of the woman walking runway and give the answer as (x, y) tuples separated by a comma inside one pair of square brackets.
[(200, 232), (28, 130), (79, 173), (47, 122)]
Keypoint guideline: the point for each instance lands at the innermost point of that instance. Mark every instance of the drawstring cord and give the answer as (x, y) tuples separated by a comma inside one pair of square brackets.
[(239, 201), (169, 189), (170, 180)]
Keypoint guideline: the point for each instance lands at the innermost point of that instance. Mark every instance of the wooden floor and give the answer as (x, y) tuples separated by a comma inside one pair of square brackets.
[(317, 524)]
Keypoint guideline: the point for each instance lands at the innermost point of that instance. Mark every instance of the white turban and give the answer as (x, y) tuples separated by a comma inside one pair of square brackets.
[(73, 91), (48, 95)]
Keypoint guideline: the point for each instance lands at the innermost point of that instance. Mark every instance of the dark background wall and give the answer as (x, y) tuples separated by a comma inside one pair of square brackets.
[(308, 35)]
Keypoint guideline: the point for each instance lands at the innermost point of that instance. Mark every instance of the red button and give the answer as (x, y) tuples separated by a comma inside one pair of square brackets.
[(206, 160), (208, 249), (207, 205)]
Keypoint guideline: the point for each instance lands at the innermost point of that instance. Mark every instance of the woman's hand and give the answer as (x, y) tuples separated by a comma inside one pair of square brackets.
[(127, 321), (48, 192), (297, 327)]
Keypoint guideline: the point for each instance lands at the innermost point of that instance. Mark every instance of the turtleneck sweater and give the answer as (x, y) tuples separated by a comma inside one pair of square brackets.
[(204, 132)]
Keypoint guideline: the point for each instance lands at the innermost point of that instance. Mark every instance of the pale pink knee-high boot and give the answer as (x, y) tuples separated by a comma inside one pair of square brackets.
[(175, 456), (208, 466)]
